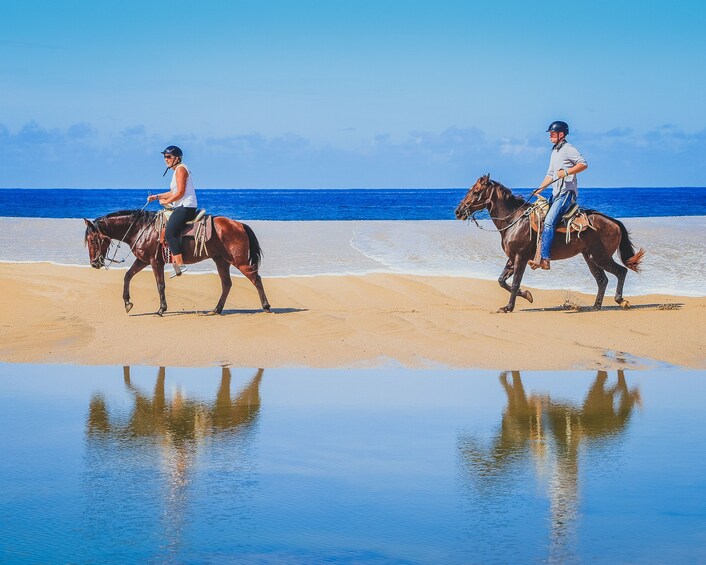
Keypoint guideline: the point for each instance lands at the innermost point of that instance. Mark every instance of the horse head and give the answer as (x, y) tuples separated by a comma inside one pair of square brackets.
[(476, 198), (97, 243)]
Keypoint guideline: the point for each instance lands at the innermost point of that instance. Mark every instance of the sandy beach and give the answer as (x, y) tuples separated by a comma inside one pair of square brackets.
[(66, 314)]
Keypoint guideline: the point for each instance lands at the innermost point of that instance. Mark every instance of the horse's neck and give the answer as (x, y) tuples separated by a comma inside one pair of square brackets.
[(503, 212), (120, 228)]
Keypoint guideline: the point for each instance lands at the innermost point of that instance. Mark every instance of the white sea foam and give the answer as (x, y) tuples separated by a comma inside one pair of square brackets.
[(675, 262)]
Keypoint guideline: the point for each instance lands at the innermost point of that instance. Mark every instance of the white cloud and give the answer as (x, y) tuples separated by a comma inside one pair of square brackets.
[(83, 156)]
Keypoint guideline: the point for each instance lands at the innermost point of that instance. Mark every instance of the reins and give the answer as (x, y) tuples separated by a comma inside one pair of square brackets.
[(120, 241), (524, 214)]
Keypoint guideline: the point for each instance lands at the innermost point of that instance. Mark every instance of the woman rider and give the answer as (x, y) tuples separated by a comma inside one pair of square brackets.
[(182, 197)]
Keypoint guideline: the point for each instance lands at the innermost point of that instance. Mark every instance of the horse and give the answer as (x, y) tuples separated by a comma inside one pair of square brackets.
[(232, 243), (509, 213)]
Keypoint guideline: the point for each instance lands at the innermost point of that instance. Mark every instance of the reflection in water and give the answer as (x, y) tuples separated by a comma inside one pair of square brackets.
[(170, 431), (551, 433)]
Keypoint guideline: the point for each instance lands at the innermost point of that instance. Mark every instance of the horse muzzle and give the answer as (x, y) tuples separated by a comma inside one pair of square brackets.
[(462, 213), (98, 263)]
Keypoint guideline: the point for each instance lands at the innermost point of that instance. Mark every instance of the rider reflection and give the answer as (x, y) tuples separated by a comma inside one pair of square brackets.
[(550, 433), (167, 430)]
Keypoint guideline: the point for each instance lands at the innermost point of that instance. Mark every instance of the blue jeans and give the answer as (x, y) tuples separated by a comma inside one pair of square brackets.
[(558, 207)]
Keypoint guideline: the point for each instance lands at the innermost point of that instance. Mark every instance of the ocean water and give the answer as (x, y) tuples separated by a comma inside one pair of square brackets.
[(340, 204), (217, 465), (675, 262)]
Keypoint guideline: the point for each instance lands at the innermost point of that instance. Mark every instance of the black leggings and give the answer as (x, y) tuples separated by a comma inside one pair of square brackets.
[(175, 225)]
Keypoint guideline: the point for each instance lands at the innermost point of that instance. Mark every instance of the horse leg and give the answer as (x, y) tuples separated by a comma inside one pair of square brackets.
[(601, 280), (507, 271), (519, 269), (158, 269), (620, 272), (136, 267), (226, 283), (252, 275)]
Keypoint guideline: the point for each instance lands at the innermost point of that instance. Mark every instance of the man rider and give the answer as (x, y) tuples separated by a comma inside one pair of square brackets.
[(565, 163)]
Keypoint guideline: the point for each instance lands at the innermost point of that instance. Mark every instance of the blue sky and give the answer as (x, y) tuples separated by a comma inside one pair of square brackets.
[(349, 93)]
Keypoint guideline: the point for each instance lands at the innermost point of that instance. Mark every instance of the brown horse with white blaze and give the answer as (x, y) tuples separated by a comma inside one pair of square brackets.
[(597, 246), (232, 243)]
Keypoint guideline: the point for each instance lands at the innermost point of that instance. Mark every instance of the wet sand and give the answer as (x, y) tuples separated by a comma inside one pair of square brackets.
[(63, 314)]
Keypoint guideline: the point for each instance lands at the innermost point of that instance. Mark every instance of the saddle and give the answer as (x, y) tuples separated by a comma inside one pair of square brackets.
[(200, 228), (574, 221)]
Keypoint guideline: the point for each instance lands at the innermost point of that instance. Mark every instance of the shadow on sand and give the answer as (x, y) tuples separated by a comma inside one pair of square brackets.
[(576, 309), (224, 313)]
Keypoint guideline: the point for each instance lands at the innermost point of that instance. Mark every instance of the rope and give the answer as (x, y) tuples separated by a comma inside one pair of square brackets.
[(526, 213), (117, 247)]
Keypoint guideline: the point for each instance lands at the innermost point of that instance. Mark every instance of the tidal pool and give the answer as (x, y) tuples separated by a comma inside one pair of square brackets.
[(147, 464)]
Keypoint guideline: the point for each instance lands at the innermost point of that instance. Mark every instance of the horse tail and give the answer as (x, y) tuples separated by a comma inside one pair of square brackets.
[(255, 249), (630, 258)]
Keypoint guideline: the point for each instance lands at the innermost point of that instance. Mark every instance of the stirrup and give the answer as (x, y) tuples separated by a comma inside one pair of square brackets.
[(178, 270)]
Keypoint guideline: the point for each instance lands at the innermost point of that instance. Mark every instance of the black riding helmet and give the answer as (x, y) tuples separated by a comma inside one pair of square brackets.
[(174, 151), (559, 126)]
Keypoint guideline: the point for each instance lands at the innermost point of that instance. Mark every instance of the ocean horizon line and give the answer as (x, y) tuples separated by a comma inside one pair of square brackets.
[(354, 188)]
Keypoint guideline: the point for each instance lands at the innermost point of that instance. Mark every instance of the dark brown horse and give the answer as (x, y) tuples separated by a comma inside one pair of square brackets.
[(232, 243), (508, 213)]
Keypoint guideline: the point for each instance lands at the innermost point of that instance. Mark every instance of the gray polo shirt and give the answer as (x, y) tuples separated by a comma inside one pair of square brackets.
[(564, 156)]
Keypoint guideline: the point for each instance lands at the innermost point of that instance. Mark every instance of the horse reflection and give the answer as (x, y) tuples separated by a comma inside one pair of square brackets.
[(551, 433), (170, 428), (178, 420)]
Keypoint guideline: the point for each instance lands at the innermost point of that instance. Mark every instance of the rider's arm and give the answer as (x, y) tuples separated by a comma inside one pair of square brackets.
[(574, 170), (545, 183)]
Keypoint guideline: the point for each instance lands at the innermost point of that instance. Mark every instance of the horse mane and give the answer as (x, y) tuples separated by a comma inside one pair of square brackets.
[(137, 214), (506, 194), (139, 217)]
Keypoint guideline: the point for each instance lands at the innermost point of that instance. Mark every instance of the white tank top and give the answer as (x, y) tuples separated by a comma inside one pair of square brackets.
[(189, 198)]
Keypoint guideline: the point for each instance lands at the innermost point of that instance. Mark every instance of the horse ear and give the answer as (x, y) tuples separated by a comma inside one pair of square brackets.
[(487, 177), (91, 224)]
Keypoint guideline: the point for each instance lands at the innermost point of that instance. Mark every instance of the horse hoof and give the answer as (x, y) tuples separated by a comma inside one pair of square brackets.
[(128, 306), (625, 305), (504, 310), (214, 312), (528, 296), (268, 310), (160, 313)]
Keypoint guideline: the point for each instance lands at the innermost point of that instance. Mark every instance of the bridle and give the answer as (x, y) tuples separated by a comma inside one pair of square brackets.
[(480, 195), (96, 239), (101, 236), (488, 204)]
